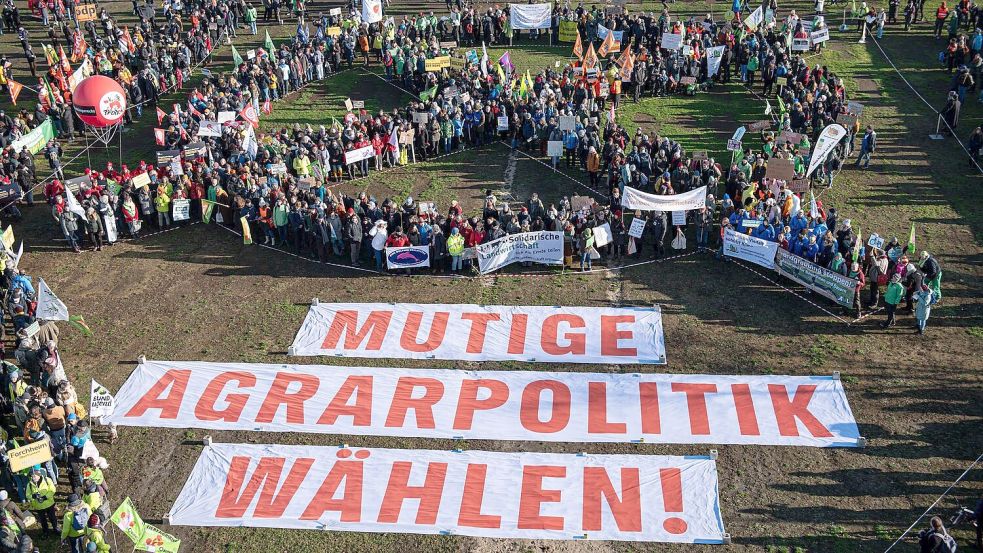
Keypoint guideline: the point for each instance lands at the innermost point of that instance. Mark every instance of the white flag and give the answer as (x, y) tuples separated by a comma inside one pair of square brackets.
[(828, 139), (73, 204), (249, 144), (101, 402), (371, 11), (50, 308), (484, 60), (394, 141), (17, 256), (813, 208)]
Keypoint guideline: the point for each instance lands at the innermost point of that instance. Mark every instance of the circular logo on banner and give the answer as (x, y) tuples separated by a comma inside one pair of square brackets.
[(404, 258), (376, 8), (111, 105)]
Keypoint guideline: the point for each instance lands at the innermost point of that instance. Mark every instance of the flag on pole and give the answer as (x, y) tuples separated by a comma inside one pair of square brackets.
[(236, 58), (813, 208), (606, 46), (128, 520), (73, 204), (506, 62), (247, 235), (484, 60), (161, 114), (429, 93), (50, 307), (155, 539), (578, 47), (911, 239), (394, 141), (14, 87), (248, 112), (249, 144), (611, 117), (78, 46), (268, 43), (590, 59), (767, 107), (856, 245), (66, 67), (267, 107), (207, 208), (160, 137)]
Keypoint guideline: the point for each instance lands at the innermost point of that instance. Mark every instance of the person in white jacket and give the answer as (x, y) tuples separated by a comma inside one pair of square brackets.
[(379, 234)]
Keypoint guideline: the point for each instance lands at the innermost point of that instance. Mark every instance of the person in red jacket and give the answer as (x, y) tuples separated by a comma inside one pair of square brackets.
[(53, 190)]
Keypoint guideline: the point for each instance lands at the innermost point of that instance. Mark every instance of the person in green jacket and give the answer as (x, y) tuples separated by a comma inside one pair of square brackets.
[(586, 246), (251, 18), (95, 534), (892, 297), (281, 213), (41, 499), (74, 523)]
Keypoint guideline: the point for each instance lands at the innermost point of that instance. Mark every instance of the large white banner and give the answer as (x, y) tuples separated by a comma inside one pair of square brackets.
[(714, 56), (544, 334), (636, 199), (489, 405), (757, 251), (544, 247), (530, 16), (828, 139), (472, 493), (371, 11), (354, 156)]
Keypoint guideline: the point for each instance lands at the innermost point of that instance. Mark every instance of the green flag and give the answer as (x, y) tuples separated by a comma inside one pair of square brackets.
[(158, 540), (79, 323), (127, 519), (911, 239), (207, 207), (426, 95), (781, 107), (270, 47), (236, 58)]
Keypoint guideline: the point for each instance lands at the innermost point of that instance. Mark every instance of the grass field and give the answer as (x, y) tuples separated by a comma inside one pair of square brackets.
[(198, 293)]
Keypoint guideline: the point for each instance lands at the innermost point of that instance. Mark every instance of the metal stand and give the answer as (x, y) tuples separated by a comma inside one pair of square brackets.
[(863, 33), (938, 128)]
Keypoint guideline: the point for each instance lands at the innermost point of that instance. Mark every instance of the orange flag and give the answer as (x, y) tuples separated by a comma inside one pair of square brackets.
[(623, 58), (578, 47), (15, 88), (606, 46), (65, 66), (590, 59), (627, 67)]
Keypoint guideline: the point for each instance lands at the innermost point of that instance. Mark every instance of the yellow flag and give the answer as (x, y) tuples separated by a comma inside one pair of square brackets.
[(247, 236), (8, 238)]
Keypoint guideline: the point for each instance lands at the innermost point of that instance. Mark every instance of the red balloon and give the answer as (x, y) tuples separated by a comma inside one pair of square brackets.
[(99, 101)]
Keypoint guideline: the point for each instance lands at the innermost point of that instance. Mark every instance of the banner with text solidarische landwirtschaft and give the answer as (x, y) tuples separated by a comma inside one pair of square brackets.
[(473, 493), (544, 334)]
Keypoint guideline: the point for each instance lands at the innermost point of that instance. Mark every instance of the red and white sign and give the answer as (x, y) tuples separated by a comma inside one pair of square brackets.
[(472, 493), (483, 333), (489, 405), (354, 156)]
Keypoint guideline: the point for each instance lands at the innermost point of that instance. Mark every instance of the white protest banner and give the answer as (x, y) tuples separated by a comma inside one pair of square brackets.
[(714, 57), (602, 235), (636, 199), (567, 122), (354, 156), (226, 116), (637, 227), (530, 16), (544, 247), (820, 36), (489, 405), (210, 128), (801, 44), (101, 402), (828, 139), (757, 251), (181, 209), (472, 493), (371, 11), (554, 148), (519, 333), (672, 41), (50, 307), (408, 257)]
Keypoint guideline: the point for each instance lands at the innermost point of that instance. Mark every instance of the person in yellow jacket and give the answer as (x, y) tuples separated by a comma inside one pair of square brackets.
[(163, 203), (455, 247), (41, 499), (92, 473), (74, 523), (302, 164), (95, 534), (92, 497)]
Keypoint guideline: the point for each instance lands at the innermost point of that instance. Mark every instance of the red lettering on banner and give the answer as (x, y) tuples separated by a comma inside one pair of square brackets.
[(627, 510), (205, 410), (403, 401), (648, 393), (559, 410), (479, 326), (174, 382), (746, 417), (429, 494), (610, 335), (549, 341), (474, 494), (597, 411), (408, 340), (345, 323), (350, 503), (468, 402), (798, 408), (517, 334), (672, 499), (236, 499), (294, 401), (696, 403), (360, 412), (532, 497)]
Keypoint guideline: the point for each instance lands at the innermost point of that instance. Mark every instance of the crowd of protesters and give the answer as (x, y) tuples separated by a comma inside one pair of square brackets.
[(39, 404)]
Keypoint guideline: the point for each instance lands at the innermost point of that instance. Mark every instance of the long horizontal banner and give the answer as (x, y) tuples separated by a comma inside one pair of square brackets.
[(483, 333), (489, 405), (636, 199), (472, 493), (757, 251), (544, 247), (826, 283)]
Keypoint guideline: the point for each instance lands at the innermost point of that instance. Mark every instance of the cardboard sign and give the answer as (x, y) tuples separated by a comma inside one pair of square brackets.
[(568, 122), (29, 455), (334, 11), (672, 41), (363, 153), (733, 145), (700, 155), (35, 327), (602, 235), (164, 157), (407, 136), (855, 108), (141, 180), (793, 138), (739, 134), (820, 36), (86, 12), (421, 117), (278, 168), (801, 44), (195, 149), (76, 184), (637, 227), (448, 44), (503, 123), (181, 209), (580, 203), (334, 31), (780, 169), (349, 105), (176, 168), (358, 104), (759, 125), (679, 218), (798, 186), (687, 80), (436, 64), (554, 148)]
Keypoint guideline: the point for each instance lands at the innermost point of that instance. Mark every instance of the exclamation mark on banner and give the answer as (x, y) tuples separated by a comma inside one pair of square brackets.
[(672, 498)]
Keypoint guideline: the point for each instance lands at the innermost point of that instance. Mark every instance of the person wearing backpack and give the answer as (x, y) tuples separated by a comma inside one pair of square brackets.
[(41, 498), (74, 524), (935, 539), (96, 535)]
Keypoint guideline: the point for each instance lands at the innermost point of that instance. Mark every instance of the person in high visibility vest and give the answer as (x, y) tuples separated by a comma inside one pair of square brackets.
[(41, 498), (95, 535)]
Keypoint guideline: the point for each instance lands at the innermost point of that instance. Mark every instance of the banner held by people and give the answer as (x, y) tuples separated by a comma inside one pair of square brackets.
[(643, 498), (530, 16), (543, 247), (827, 283), (757, 251), (636, 199)]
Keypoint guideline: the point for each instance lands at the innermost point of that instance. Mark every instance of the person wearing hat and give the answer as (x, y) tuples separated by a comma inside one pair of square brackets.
[(74, 523), (95, 535), (933, 275), (10, 507), (41, 499)]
